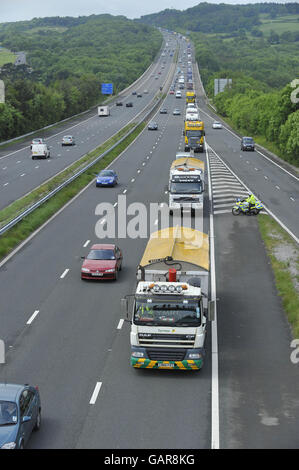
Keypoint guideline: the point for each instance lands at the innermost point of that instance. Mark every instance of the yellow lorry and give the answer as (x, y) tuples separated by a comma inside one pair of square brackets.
[(190, 97), (194, 136)]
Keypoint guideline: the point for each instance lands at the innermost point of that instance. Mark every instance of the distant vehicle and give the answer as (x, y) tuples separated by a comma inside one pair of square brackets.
[(40, 151), (159, 73), (37, 140), (176, 112), (156, 78), (152, 126), (145, 92), (178, 94), (171, 92), (68, 140), (20, 414), (163, 111), (104, 261), (247, 143), (103, 111), (217, 125), (129, 105), (118, 103), (139, 95), (134, 92), (107, 178)]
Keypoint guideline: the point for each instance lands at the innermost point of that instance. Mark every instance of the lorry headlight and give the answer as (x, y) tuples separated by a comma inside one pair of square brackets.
[(138, 354), (194, 356)]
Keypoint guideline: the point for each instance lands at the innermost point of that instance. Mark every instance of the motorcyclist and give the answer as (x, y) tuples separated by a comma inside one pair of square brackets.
[(251, 201)]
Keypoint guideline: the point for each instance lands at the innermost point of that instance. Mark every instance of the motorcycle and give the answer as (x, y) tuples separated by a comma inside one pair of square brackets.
[(242, 207)]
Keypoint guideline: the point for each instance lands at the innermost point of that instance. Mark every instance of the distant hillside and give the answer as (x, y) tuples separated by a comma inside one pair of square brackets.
[(218, 18)]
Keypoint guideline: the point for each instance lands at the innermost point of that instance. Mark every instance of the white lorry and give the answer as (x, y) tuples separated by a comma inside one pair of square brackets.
[(170, 305), (103, 111), (186, 184)]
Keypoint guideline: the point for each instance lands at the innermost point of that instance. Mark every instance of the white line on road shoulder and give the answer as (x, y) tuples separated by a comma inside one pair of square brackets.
[(32, 317), (95, 393)]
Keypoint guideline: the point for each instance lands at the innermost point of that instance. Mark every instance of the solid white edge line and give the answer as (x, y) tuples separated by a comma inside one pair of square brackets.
[(214, 334), (32, 317), (95, 393)]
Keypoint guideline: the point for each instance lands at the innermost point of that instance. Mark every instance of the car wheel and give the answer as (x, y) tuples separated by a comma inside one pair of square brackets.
[(38, 421), (116, 275)]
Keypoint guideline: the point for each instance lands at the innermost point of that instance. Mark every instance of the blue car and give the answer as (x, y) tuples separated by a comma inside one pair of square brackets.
[(107, 178), (20, 414)]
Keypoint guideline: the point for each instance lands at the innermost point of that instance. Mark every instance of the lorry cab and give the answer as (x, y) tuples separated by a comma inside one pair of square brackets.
[(170, 306), (194, 134), (186, 184)]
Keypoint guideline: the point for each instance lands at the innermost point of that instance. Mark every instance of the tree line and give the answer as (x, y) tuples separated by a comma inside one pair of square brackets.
[(65, 69)]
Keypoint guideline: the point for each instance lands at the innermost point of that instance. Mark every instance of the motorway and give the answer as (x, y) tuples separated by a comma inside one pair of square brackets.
[(68, 337), (19, 174)]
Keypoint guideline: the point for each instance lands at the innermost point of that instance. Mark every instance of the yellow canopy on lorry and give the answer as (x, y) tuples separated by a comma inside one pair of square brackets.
[(182, 244), (188, 161)]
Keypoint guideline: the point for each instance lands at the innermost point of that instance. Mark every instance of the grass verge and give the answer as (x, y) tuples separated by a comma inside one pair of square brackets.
[(32, 222), (284, 255)]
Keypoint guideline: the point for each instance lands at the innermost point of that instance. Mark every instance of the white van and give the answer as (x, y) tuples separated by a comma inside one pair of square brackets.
[(103, 111), (40, 151)]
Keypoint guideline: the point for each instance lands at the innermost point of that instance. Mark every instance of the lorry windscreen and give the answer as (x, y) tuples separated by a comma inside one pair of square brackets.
[(174, 313), (186, 188), (194, 133)]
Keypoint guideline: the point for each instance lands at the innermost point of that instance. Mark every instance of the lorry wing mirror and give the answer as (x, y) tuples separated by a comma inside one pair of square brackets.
[(211, 310), (124, 307), (166, 189)]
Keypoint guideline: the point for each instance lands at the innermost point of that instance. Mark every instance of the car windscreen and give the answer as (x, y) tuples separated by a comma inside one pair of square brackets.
[(186, 188), (248, 140), (101, 254), (106, 173), (8, 413)]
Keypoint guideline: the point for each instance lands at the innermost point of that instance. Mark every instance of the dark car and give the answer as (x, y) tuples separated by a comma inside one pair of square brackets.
[(107, 178), (152, 126), (129, 105), (20, 414), (163, 111), (247, 143), (139, 95), (119, 103), (104, 261), (134, 92)]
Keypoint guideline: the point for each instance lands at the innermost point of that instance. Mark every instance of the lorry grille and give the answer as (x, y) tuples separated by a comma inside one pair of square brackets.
[(164, 354), (165, 340)]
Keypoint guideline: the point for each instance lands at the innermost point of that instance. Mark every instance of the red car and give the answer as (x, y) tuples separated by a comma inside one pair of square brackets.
[(102, 262)]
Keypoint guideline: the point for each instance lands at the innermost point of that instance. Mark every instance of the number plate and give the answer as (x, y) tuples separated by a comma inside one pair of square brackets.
[(97, 274), (165, 364)]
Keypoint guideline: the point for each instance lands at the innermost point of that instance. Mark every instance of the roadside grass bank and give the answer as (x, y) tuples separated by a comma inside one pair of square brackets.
[(284, 255), (33, 221)]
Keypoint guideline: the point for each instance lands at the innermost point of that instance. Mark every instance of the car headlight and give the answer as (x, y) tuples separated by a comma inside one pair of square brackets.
[(194, 356), (110, 270), (9, 445), (85, 270), (138, 354)]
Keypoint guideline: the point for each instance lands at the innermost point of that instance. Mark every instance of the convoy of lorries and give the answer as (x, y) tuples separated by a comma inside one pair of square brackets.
[(170, 307)]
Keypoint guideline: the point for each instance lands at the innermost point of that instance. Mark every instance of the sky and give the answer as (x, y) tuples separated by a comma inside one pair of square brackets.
[(17, 10)]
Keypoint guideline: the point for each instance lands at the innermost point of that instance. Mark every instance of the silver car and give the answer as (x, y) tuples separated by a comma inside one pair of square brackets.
[(68, 140)]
